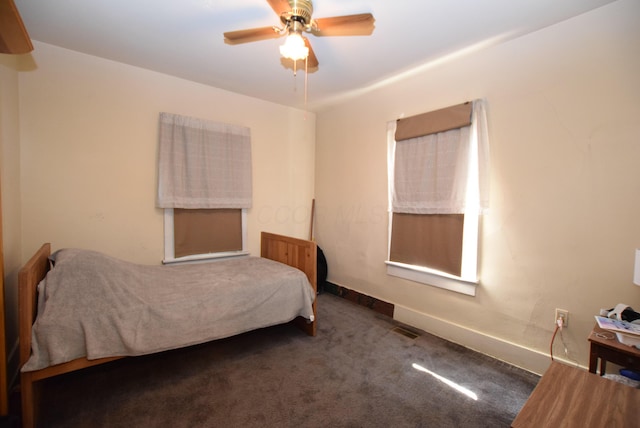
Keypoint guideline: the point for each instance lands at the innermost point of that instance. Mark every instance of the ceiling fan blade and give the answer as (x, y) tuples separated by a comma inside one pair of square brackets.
[(279, 6), (14, 38), (347, 25), (312, 60), (251, 35)]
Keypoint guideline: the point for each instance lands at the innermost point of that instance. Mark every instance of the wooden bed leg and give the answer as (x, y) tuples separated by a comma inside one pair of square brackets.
[(304, 325), (308, 327), (29, 398)]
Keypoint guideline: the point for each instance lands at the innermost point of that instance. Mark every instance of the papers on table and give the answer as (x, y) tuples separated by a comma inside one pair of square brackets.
[(627, 333)]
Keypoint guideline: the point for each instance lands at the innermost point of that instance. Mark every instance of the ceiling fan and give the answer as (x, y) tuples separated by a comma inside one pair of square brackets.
[(296, 18), (14, 38)]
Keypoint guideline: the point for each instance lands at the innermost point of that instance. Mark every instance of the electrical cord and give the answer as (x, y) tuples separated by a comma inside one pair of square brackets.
[(607, 336), (558, 327), (566, 351)]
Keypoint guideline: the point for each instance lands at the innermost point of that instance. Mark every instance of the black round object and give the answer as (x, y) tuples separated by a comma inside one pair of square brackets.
[(321, 270)]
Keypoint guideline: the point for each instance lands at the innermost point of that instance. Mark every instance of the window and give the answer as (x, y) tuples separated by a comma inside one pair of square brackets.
[(437, 191), (196, 234), (204, 186)]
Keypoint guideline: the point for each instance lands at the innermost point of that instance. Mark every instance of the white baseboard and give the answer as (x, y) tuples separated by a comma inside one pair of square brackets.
[(512, 353)]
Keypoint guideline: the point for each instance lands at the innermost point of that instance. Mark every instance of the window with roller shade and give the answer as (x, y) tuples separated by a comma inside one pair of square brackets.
[(204, 187), (438, 188)]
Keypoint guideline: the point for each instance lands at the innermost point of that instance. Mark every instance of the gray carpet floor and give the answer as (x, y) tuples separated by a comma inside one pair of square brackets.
[(359, 371)]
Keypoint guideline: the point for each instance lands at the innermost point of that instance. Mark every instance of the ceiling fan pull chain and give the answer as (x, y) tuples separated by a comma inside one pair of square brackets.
[(295, 78), (306, 83)]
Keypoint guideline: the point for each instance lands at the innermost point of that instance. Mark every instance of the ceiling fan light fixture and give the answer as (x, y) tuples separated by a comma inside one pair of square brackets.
[(294, 47)]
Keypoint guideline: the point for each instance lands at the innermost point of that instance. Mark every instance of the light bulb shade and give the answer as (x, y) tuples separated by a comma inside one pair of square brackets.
[(636, 269), (294, 47)]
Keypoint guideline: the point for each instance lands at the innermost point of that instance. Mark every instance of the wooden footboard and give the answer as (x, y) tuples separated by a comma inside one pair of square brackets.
[(298, 253)]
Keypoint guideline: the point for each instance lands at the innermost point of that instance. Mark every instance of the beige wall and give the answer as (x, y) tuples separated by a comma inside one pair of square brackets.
[(564, 219), (89, 138)]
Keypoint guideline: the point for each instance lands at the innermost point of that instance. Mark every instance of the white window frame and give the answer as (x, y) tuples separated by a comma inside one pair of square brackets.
[(468, 281), (169, 243)]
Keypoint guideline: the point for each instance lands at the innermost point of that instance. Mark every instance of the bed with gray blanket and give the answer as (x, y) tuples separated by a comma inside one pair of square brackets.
[(93, 308)]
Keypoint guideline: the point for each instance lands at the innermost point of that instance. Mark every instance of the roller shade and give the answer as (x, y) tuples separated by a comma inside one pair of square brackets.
[(433, 122), (203, 164), (432, 172)]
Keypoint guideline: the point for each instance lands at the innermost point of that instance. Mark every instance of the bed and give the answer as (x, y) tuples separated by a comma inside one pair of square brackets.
[(297, 253)]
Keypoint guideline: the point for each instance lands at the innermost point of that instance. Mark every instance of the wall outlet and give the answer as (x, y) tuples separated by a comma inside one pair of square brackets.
[(562, 314)]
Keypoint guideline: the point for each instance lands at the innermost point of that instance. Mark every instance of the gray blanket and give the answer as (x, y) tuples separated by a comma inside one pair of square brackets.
[(97, 306)]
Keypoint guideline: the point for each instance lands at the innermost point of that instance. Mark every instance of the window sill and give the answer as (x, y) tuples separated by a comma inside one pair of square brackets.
[(200, 258), (432, 277)]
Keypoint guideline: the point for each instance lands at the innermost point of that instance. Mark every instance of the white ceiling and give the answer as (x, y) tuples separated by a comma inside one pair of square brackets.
[(184, 38)]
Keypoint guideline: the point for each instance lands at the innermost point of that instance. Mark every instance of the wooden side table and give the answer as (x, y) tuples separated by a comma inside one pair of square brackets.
[(573, 398), (605, 347)]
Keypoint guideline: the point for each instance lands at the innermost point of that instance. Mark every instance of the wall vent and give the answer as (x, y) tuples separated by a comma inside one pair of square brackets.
[(407, 333)]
